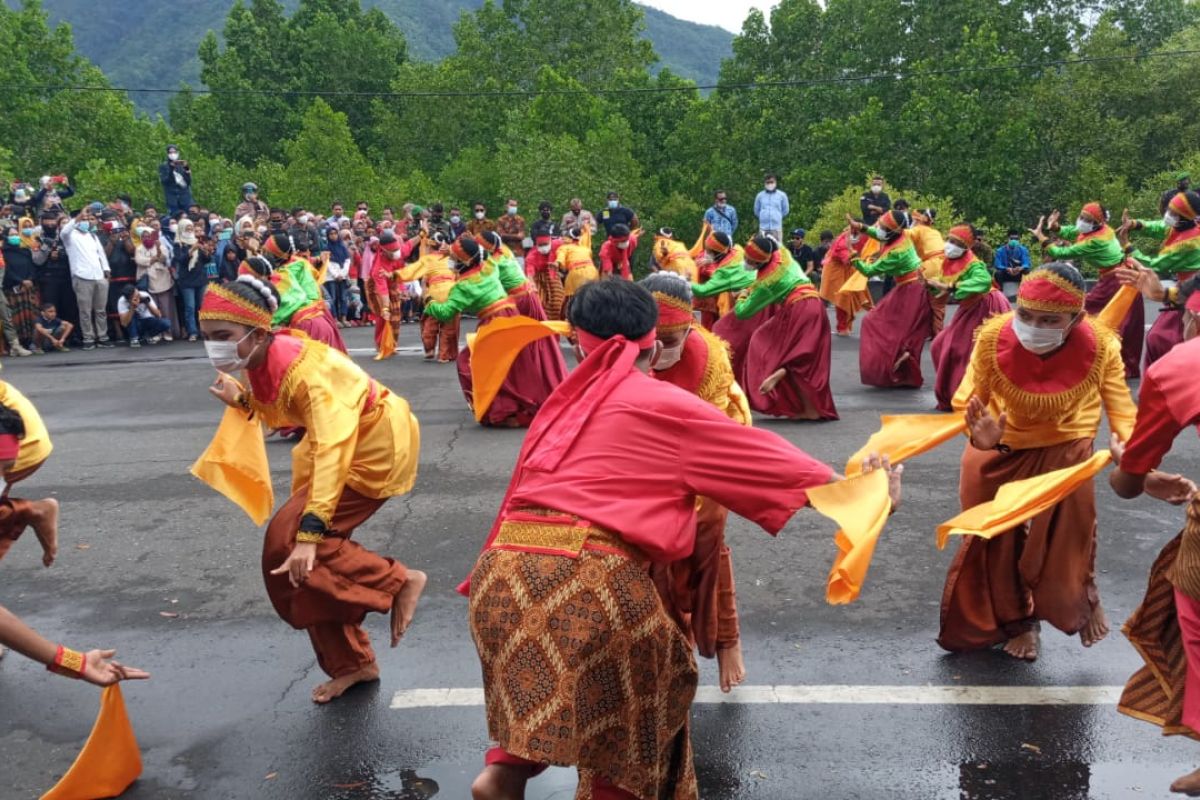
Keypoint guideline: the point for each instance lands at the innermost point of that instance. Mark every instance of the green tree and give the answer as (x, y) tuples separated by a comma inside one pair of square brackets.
[(323, 162)]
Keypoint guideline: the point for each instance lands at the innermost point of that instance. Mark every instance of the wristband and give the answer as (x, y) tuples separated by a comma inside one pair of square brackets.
[(67, 663), (242, 401), (309, 537)]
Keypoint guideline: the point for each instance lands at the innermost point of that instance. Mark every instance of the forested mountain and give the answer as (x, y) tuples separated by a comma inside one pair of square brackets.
[(152, 43)]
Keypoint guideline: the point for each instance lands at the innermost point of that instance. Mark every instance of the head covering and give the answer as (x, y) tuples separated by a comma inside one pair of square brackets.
[(761, 248), (666, 233), (466, 250), (1044, 290), (893, 221), (674, 314), (718, 242), (964, 234), (387, 236), (1186, 205), (491, 241), (799, 233), (925, 215), (187, 232), (220, 303), (279, 245), (542, 238), (10, 446), (1095, 211), (619, 231)]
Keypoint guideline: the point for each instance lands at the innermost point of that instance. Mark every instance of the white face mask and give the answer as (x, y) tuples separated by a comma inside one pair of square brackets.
[(669, 356), (953, 251), (480, 215), (1083, 226), (1038, 340), (876, 188), (224, 355), (303, 219), (1170, 220), (770, 187), (622, 245), (544, 249)]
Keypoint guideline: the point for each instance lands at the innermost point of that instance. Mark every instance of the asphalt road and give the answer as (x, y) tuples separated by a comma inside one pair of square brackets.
[(160, 567)]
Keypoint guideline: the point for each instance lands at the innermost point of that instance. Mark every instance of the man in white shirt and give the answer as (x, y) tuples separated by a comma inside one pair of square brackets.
[(89, 277), (140, 315)]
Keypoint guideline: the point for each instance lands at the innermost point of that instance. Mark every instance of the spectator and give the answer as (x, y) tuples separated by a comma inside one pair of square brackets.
[(251, 206), (616, 214), (771, 207), (1011, 264), (337, 277), (303, 231), (545, 224), (54, 270), (20, 294), (874, 202), (54, 189), (438, 224), (802, 254), (119, 249), (89, 278), (192, 258), (578, 217), (154, 275), (21, 199), (511, 228), (721, 216), (337, 215), (142, 317), (175, 175), (479, 223), (50, 330), (457, 225)]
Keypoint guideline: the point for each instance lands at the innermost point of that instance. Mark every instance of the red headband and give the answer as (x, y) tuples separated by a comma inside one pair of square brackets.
[(1180, 205), (10, 445), (591, 342), (715, 245), (1046, 291), (273, 248), (459, 253), (756, 253), (673, 314), (541, 240), (964, 233), (1193, 302), (890, 222), (1095, 211), (222, 304)]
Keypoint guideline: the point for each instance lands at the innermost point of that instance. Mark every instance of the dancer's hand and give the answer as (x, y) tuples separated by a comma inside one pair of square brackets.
[(1052, 222), (99, 669), (1174, 489), (299, 564), (1144, 280), (874, 462), (986, 430), (226, 389), (1117, 448)]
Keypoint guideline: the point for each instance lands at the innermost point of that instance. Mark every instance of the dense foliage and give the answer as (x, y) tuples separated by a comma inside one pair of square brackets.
[(971, 105)]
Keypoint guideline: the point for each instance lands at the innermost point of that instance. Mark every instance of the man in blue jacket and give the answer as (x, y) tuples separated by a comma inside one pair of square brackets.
[(175, 174), (1011, 263), (771, 207)]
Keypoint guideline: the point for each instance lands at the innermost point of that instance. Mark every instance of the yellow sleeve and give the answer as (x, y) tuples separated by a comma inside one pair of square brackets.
[(414, 271), (323, 457), (965, 389), (1114, 392)]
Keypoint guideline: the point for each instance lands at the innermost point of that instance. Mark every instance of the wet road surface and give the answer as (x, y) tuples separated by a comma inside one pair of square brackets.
[(165, 570)]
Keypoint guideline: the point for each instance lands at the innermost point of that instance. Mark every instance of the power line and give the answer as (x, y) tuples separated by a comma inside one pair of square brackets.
[(728, 87)]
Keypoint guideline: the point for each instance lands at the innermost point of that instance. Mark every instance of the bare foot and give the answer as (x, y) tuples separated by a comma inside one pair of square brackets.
[(1096, 628), (45, 527), (405, 603), (731, 666), (331, 690), (1024, 647), (501, 782), (1189, 784), (772, 381), (900, 362)]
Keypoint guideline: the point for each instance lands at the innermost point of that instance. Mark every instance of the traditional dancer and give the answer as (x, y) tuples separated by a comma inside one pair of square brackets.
[(613, 698), (894, 332), (786, 367), (522, 290), (699, 590), (1178, 258), (930, 249), (722, 270), (382, 258), (616, 254), (1096, 245), (1165, 629), (362, 448), (574, 260), (541, 267), (964, 274), (1033, 393), (24, 447), (302, 305), (671, 255), (439, 339), (537, 369), (837, 268)]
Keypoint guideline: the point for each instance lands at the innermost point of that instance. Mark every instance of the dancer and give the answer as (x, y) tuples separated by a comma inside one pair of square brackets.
[(836, 269), (1165, 629), (616, 254), (24, 447), (722, 270), (1096, 245), (535, 372), (699, 590), (522, 290), (382, 258), (362, 448), (302, 305), (439, 339), (574, 260), (1033, 393), (95, 666), (671, 255), (894, 332), (964, 274), (786, 367), (930, 249), (560, 544)]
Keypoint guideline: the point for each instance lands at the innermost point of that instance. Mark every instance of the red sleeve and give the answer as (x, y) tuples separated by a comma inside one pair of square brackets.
[(839, 252), (1153, 433), (768, 484), (606, 260), (380, 275)]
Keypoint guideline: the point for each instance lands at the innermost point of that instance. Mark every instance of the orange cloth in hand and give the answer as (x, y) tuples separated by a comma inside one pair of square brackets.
[(907, 435), (1114, 312), (387, 342), (1022, 500), (495, 347), (855, 283), (235, 464), (109, 761), (860, 506)]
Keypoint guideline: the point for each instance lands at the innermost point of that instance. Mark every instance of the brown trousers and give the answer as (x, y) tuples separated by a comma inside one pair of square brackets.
[(15, 517), (434, 332), (347, 582)]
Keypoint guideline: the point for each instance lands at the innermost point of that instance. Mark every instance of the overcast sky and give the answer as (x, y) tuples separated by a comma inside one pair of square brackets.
[(728, 14)]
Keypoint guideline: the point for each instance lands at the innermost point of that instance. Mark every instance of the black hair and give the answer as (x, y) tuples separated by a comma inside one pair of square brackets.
[(1187, 287), (614, 308), (492, 239), (770, 176), (826, 236), (765, 243), (900, 205), (251, 293), (47, 307), (723, 238), (277, 210), (545, 204), (669, 283), (436, 208), (129, 291), (470, 245), (1067, 272), (11, 423), (620, 229), (1014, 232), (260, 266)]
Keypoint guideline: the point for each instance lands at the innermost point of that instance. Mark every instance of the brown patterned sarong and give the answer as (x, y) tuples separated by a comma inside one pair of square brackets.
[(550, 291), (1155, 692), (581, 665)]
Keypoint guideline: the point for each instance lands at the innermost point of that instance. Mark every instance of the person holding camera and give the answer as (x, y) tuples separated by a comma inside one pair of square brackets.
[(193, 253), (89, 277), (54, 270), (141, 316), (120, 248), (175, 175)]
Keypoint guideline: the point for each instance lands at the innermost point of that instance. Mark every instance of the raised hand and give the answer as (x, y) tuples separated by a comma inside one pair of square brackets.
[(986, 431)]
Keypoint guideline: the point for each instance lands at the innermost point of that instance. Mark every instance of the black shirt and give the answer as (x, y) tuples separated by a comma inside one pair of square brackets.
[(614, 216), (18, 263), (803, 255), (871, 199)]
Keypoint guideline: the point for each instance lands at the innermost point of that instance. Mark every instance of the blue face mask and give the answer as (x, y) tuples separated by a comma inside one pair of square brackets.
[(613, 203), (84, 227), (27, 231), (225, 236), (14, 240)]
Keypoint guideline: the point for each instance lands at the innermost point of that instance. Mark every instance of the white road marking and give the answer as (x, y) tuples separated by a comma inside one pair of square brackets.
[(834, 694)]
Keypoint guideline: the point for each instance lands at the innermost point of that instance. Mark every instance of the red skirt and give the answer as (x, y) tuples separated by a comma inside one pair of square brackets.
[(899, 324), (951, 349), (1165, 333), (317, 323), (1133, 329), (795, 338), (737, 332), (528, 302), (536, 372)]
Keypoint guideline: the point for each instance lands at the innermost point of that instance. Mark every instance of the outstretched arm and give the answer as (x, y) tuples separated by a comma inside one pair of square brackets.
[(93, 666)]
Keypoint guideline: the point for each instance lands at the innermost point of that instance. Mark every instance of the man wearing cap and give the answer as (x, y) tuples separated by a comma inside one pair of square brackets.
[(802, 254), (175, 175), (616, 214), (616, 252), (251, 206), (1011, 262)]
